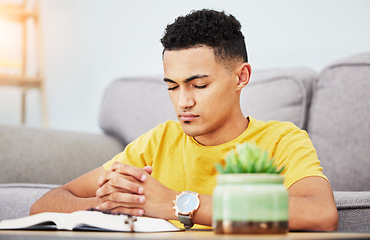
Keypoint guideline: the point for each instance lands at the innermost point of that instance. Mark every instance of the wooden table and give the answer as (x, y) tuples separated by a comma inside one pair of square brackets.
[(40, 235)]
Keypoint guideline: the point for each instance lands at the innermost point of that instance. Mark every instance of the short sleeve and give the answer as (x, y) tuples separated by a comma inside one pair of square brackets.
[(297, 154)]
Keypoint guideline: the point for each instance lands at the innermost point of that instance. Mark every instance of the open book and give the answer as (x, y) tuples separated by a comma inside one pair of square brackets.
[(90, 221)]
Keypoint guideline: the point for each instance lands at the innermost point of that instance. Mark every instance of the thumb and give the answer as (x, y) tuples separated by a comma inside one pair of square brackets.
[(148, 169)]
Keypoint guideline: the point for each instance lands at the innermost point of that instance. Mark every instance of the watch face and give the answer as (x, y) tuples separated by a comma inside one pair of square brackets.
[(187, 203)]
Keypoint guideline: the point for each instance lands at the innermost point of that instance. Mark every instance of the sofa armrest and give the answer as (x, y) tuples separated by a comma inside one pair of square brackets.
[(17, 199), (354, 211), (33, 155)]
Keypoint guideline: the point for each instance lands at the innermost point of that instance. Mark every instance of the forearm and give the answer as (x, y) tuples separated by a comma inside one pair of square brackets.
[(204, 214), (305, 213), (62, 200)]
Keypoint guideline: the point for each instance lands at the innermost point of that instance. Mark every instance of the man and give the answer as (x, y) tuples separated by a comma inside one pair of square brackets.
[(205, 67)]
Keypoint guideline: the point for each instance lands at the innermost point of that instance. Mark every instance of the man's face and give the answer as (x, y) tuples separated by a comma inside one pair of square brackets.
[(203, 92)]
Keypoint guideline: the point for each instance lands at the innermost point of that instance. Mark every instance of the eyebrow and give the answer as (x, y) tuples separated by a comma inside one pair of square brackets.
[(188, 79)]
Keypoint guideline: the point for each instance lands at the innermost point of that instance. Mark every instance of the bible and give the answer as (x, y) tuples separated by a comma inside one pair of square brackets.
[(88, 221)]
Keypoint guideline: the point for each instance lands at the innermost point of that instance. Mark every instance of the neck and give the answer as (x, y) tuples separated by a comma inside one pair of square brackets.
[(226, 133)]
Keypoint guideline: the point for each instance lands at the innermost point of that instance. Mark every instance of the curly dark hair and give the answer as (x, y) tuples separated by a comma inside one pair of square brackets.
[(211, 28)]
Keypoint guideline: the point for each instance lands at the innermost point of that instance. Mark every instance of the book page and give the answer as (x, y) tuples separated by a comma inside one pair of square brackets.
[(47, 220)]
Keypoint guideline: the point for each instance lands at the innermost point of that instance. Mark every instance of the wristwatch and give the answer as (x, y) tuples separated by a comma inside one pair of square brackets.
[(185, 205)]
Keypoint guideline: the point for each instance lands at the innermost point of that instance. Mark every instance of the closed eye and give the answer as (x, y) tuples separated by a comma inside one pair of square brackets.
[(200, 87), (172, 88)]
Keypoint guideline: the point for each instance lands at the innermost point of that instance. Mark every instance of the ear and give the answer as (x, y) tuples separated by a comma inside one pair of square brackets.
[(244, 74)]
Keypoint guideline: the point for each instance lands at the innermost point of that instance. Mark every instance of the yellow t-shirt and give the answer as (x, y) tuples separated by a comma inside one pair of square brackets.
[(181, 163)]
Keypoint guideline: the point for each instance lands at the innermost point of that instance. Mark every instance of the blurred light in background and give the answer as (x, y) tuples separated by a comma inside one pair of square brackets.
[(10, 47)]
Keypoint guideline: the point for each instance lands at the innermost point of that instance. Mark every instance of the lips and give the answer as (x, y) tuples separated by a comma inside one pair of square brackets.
[(187, 116)]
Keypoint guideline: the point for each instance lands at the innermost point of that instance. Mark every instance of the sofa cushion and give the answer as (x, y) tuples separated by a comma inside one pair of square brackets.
[(339, 124), (17, 199), (132, 106), (353, 210), (280, 94)]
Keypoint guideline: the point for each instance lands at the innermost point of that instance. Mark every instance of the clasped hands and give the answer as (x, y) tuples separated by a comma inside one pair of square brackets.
[(132, 190)]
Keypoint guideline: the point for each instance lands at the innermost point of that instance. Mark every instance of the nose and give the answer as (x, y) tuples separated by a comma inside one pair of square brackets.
[(185, 100)]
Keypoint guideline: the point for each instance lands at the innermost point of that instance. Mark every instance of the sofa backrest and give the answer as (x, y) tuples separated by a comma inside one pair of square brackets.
[(339, 124), (132, 106), (279, 94)]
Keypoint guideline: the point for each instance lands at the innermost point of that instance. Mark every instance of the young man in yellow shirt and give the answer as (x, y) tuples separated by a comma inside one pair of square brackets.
[(205, 67)]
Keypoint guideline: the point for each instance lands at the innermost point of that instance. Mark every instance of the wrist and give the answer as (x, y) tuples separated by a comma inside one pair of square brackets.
[(170, 212)]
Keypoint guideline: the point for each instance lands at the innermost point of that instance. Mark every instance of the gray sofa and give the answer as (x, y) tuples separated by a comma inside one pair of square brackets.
[(333, 106)]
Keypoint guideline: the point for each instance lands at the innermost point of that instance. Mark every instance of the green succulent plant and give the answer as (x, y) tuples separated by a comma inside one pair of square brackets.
[(248, 158)]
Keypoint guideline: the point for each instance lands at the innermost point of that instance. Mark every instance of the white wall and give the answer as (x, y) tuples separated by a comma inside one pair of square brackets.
[(89, 43)]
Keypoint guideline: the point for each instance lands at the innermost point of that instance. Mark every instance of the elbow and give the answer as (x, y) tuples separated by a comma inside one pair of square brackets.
[(33, 209), (320, 221), (328, 221), (40, 205), (36, 208)]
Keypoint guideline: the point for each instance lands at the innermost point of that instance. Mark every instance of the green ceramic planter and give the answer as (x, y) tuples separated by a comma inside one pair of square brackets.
[(250, 204)]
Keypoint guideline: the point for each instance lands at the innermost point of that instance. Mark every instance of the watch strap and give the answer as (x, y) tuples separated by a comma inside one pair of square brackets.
[(185, 219)]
